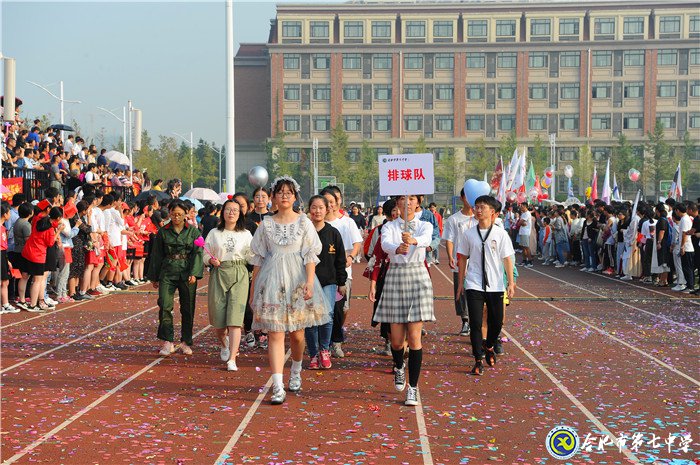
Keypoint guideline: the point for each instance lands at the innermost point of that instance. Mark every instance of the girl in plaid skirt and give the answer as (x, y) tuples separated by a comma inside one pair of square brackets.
[(407, 298)]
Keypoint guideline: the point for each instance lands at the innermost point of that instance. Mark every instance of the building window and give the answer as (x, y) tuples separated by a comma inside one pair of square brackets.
[(291, 29), (294, 155), (569, 91), (601, 90), (444, 61), (602, 58), (324, 155), (633, 25), (321, 61), (477, 28), (322, 123), (506, 91), (538, 91), (382, 123), (381, 29), (444, 92), (600, 153), (382, 92), (354, 155), (475, 91), (694, 88), (570, 59), (666, 89), (667, 57), (604, 26), (291, 91), (634, 58), (291, 61), (505, 28), (475, 122), (600, 122), (567, 153), (444, 123), (381, 61), (319, 29), (506, 60), (694, 56), (322, 92), (415, 29), (476, 60), (413, 91), (667, 120), (354, 29), (540, 27), (291, 124), (634, 89), (506, 122), (569, 27), (537, 122), (352, 92), (694, 25), (352, 123), (413, 61), (568, 122), (352, 61), (538, 59), (633, 121), (694, 120), (413, 123), (670, 24), (442, 29)]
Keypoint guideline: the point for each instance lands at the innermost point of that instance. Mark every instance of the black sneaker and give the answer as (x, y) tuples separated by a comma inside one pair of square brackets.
[(465, 329), (498, 347), (121, 286), (400, 378)]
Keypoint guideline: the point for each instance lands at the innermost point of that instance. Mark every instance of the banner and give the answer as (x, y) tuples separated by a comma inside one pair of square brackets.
[(10, 187), (411, 173)]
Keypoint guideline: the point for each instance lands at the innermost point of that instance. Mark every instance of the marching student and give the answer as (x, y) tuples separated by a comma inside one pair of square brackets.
[(407, 298), (490, 253)]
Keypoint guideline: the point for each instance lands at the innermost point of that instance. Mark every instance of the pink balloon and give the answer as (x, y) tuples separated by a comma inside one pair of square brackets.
[(522, 197), (511, 197), (633, 175)]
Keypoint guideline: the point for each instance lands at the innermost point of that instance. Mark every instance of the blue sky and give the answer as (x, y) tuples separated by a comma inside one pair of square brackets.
[(167, 57)]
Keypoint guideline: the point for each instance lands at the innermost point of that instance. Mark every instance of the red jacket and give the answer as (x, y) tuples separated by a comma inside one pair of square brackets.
[(37, 243)]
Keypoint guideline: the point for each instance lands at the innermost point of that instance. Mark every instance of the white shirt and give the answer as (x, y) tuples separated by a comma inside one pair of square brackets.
[(228, 245), (98, 220), (90, 176), (685, 225), (454, 229), (613, 231), (114, 224), (498, 247), (350, 233), (525, 227), (422, 231)]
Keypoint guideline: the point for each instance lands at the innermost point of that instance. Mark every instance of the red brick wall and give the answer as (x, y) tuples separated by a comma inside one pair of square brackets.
[(459, 102), (396, 90), (336, 87), (252, 102), (522, 95), (650, 76), (584, 96), (276, 93)]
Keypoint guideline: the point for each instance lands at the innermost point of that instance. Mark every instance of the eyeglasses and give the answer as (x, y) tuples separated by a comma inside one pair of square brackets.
[(229, 211), (285, 194), (259, 197), (177, 215)]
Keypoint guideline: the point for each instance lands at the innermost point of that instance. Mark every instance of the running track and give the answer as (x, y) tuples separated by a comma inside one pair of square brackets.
[(84, 384)]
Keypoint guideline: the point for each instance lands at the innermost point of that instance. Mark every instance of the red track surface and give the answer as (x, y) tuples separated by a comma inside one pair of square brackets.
[(575, 357)]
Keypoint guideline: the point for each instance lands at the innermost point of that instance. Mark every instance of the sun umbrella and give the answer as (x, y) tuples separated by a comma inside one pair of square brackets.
[(224, 196), (203, 194), (197, 203), (62, 127), (117, 160), (18, 101), (160, 195)]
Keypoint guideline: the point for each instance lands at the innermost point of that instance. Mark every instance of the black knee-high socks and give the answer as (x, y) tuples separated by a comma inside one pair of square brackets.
[(415, 360), (398, 357)]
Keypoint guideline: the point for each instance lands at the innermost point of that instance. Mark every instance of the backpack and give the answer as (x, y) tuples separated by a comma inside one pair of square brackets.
[(367, 245)]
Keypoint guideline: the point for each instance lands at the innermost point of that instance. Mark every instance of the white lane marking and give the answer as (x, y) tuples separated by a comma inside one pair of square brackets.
[(225, 454), (423, 433), (88, 408), (564, 390), (623, 303), (71, 342)]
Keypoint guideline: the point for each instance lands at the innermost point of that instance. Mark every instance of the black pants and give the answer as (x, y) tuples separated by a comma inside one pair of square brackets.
[(688, 262), (647, 253), (461, 303), (337, 334), (494, 315), (576, 251)]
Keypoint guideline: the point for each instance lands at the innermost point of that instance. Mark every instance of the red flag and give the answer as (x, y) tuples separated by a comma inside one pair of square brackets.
[(594, 185), (497, 176)]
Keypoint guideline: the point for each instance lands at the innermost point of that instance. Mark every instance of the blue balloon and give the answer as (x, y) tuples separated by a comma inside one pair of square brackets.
[(474, 189)]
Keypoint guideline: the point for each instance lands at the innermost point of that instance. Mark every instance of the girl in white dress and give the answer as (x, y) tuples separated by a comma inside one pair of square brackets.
[(285, 295)]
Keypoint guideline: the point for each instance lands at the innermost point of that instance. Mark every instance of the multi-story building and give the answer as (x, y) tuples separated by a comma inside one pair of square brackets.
[(457, 72)]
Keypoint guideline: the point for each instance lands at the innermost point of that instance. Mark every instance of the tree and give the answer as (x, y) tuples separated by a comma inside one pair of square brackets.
[(206, 166), (688, 177), (365, 172), (450, 169), (507, 146), (278, 162), (539, 155), (421, 146), (339, 164), (660, 152), (481, 159), (585, 167), (622, 160)]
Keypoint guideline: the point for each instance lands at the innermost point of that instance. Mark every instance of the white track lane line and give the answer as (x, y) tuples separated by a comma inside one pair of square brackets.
[(88, 408), (423, 433), (226, 453), (73, 341), (691, 300), (563, 389), (605, 333), (670, 320)]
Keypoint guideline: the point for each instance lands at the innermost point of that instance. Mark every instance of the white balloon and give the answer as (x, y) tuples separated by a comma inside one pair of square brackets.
[(257, 176), (568, 171)]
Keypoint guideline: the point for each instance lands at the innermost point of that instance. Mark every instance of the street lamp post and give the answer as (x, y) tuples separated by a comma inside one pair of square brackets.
[(191, 156), (220, 177), (121, 120), (315, 155), (57, 97), (553, 160)]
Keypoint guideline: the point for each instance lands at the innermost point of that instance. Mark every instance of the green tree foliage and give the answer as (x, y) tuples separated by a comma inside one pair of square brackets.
[(339, 163), (585, 167), (278, 162), (506, 147), (539, 155), (420, 146), (482, 159), (364, 176), (622, 160), (688, 177), (449, 170), (660, 152)]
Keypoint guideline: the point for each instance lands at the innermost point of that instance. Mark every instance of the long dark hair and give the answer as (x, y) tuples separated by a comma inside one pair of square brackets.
[(240, 222)]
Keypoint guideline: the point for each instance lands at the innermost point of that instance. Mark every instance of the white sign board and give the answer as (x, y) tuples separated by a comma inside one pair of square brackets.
[(411, 173)]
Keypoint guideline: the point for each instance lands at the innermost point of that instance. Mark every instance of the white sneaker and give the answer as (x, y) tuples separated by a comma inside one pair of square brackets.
[(102, 290), (559, 265), (626, 278), (225, 353), (250, 339), (585, 268), (337, 350), (35, 309), (599, 268), (9, 308), (50, 301), (168, 348), (295, 382), (411, 396), (278, 395), (679, 288), (400, 378), (231, 365)]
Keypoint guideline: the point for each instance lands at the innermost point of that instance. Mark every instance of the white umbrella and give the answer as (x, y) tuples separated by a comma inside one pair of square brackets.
[(203, 194), (224, 196), (117, 157)]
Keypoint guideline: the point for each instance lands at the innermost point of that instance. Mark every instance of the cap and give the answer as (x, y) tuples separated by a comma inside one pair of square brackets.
[(44, 204), (125, 206), (69, 210)]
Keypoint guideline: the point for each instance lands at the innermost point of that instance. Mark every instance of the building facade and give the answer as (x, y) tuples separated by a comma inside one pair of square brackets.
[(457, 73)]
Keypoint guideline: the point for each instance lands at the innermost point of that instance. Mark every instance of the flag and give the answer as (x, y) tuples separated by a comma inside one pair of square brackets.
[(616, 190), (570, 189), (519, 182), (607, 192), (676, 191), (497, 175), (512, 170), (501, 196), (531, 179), (594, 185), (636, 202)]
